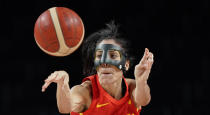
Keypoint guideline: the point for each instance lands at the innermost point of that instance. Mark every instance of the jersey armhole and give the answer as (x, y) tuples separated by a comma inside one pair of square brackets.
[(93, 101)]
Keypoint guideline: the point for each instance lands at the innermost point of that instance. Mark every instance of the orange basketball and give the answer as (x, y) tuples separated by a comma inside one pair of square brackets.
[(59, 31)]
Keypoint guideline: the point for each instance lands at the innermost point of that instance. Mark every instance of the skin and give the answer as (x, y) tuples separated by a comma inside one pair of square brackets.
[(78, 98)]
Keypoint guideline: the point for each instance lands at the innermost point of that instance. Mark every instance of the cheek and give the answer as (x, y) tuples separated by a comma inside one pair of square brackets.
[(117, 74), (117, 70)]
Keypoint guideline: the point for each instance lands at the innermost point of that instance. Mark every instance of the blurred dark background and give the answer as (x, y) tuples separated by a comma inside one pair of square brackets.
[(176, 31)]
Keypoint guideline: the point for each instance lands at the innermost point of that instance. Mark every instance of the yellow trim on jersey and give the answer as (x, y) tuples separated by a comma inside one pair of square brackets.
[(129, 102), (130, 114)]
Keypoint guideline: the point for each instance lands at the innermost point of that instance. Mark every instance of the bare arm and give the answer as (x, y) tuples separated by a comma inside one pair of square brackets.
[(141, 93), (68, 100), (63, 98)]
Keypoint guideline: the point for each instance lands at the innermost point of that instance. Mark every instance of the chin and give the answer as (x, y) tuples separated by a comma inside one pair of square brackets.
[(106, 79)]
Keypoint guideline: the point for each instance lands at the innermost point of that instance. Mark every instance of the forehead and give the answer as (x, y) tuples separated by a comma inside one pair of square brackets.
[(109, 41)]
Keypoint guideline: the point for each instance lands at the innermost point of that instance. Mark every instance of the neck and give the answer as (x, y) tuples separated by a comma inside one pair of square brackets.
[(114, 89)]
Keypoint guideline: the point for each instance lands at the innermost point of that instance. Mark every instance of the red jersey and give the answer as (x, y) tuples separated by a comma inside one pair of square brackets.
[(104, 104)]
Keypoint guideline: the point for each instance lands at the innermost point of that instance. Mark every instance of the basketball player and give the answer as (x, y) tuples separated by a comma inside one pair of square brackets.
[(106, 91)]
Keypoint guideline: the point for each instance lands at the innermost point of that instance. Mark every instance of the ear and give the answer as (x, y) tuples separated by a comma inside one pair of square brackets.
[(127, 65)]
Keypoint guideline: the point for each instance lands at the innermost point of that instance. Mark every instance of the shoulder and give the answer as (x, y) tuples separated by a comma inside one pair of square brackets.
[(87, 85), (81, 96), (82, 89), (131, 86), (131, 82)]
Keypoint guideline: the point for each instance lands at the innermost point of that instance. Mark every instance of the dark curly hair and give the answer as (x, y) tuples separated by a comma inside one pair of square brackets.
[(89, 44)]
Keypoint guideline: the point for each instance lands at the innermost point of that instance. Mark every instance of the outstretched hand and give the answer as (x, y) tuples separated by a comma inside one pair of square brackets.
[(142, 70), (59, 77)]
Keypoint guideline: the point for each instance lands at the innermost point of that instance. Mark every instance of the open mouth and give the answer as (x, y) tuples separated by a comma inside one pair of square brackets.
[(106, 74), (106, 71)]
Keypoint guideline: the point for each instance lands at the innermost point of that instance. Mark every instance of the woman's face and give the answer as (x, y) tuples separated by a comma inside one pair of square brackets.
[(108, 73)]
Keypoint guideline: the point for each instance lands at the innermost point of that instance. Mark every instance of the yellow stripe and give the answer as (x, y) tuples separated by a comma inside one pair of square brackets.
[(129, 102), (80, 113)]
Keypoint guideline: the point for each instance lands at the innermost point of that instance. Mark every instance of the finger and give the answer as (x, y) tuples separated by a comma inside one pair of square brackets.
[(48, 77), (150, 60), (151, 57), (145, 56), (61, 76), (44, 87), (141, 66), (48, 81), (51, 77), (58, 77)]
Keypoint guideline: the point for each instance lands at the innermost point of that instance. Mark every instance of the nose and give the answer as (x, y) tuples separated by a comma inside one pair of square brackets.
[(104, 65), (103, 58)]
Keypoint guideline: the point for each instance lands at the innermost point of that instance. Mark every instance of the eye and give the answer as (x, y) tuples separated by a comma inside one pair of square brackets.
[(113, 56), (98, 56)]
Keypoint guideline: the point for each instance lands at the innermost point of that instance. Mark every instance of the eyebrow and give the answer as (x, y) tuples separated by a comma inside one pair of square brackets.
[(114, 51), (99, 51)]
